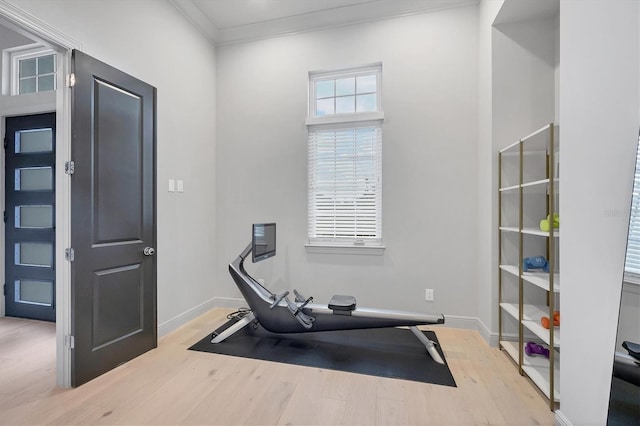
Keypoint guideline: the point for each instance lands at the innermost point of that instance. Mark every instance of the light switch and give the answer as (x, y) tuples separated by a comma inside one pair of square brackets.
[(172, 185), (180, 186)]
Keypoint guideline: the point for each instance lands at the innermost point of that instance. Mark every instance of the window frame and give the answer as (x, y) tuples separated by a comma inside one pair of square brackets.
[(12, 56), (369, 69), (633, 276), (336, 122)]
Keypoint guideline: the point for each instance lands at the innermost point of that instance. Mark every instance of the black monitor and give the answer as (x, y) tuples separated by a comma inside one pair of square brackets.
[(263, 243)]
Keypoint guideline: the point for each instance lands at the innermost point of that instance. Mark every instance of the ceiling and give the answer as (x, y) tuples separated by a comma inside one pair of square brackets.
[(233, 21)]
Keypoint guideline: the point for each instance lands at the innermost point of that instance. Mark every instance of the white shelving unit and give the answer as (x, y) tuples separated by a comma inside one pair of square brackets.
[(529, 192)]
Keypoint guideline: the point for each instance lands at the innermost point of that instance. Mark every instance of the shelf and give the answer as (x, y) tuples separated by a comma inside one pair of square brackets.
[(511, 348), (538, 232), (535, 183), (509, 188), (539, 374), (511, 309), (536, 186), (531, 320), (541, 279), (512, 269), (531, 315), (536, 368), (510, 147), (532, 161), (509, 229)]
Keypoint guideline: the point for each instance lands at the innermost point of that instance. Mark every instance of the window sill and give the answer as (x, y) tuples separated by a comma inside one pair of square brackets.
[(341, 249), (345, 118)]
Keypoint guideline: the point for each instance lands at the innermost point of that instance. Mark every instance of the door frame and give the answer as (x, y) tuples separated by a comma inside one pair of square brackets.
[(30, 26)]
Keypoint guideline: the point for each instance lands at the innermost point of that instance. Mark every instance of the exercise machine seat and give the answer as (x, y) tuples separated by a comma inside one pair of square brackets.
[(343, 304)]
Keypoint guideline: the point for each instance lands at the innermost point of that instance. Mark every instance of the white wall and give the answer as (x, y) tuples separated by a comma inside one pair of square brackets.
[(8, 39), (430, 203), (487, 176), (152, 41), (599, 91), (523, 73)]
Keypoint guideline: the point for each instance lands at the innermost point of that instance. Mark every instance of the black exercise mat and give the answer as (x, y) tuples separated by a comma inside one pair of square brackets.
[(383, 352)]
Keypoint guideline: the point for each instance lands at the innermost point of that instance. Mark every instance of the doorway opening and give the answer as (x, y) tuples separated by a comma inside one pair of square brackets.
[(21, 29), (29, 216)]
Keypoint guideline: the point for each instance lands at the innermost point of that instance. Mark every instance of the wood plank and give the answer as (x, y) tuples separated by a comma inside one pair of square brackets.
[(173, 386)]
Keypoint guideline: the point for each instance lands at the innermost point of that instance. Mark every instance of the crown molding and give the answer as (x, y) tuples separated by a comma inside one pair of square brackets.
[(199, 20), (28, 25), (358, 13)]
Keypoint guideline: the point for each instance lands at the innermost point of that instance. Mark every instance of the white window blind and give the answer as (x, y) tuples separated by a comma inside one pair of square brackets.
[(632, 261), (345, 185)]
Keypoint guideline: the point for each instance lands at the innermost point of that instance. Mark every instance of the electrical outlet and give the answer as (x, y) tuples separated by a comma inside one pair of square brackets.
[(428, 295)]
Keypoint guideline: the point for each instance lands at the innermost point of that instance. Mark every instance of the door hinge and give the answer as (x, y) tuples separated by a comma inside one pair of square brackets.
[(69, 254), (4, 216), (4, 289), (70, 80), (69, 341), (69, 167), (6, 142)]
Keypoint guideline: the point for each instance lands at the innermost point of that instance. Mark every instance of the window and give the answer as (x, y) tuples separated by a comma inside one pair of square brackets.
[(33, 69), (345, 158), (632, 261)]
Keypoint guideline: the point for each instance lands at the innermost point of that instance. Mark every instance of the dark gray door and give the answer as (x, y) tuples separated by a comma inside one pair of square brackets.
[(113, 211), (30, 216)]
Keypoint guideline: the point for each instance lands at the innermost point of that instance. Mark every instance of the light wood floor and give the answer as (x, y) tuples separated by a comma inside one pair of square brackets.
[(171, 385)]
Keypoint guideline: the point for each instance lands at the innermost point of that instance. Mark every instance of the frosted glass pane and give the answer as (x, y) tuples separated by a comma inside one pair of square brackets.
[(28, 85), (34, 217), (324, 107), (34, 292), (345, 105), (45, 64), (366, 84), (345, 86), (34, 254), (27, 68), (40, 140), (45, 83), (34, 179), (365, 103), (324, 89)]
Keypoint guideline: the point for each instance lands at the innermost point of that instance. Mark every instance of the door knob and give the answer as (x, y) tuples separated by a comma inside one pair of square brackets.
[(149, 251)]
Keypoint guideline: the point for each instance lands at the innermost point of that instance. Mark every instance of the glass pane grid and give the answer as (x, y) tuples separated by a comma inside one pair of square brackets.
[(37, 74), (346, 95)]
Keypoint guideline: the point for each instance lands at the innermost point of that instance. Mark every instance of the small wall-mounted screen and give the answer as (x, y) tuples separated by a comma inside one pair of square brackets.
[(263, 243)]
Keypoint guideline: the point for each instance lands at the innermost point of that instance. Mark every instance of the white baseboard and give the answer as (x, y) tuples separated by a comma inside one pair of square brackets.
[(472, 323), (561, 420), (489, 336), (456, 321), (179, 320)]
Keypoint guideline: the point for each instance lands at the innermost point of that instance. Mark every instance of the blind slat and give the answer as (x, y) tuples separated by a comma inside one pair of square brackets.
[(345, 183)]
